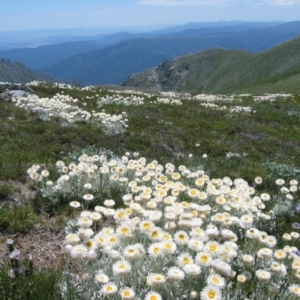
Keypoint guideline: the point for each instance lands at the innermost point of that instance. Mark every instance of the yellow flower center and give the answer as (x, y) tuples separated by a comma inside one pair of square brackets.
[(186, 261), (89, 244), (211, 294), (213, 248), (124, 230), (156, 249), (204, 258), (154, 234), (146, 226), (216, 280)]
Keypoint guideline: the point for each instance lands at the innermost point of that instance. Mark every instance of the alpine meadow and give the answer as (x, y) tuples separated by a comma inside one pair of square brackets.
[(150, 164)]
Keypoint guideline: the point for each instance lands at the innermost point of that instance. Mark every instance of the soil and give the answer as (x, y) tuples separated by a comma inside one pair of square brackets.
[(43, 243), (44, 246)]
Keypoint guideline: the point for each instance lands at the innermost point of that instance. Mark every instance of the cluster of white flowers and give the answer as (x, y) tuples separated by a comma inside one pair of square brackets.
[(111, 124), (240, 98), (231, 109), (135, 98), (271, 97), (180, 234), (63, 85), (213, 98), (35, 83), (119, 99), (131, 92), (235, 154), (237, 109), (64, 107), (85, 178), (176, 95), (214, 106), (169, 101), (59, 106), (59, 85)]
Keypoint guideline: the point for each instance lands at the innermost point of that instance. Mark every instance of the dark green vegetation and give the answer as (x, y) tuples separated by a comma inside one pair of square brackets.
[(113, 64), (16, 72), (160, 131), (222, 71), (21, 281)]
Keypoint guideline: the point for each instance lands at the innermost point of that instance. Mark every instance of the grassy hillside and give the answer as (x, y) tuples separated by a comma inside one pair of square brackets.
[(114, 64), (223, 71), (16, 72), (170, 131), (228, 166)]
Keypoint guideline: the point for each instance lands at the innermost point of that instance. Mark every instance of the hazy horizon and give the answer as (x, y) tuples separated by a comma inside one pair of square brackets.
[(93, 30), (20, 15)]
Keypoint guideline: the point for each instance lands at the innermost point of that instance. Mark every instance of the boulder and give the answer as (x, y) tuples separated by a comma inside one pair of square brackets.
[(13, 90), (9, 95)]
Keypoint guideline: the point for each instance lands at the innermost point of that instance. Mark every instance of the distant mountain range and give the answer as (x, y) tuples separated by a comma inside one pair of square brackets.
[(113, 64), (45, 55), (111, 58), (16, 72), (40, 37), (42, 56), (223, 71)]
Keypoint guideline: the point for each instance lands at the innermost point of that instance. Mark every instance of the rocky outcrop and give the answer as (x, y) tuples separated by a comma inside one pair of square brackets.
[(9, 95), (9, 91), (166, 77)]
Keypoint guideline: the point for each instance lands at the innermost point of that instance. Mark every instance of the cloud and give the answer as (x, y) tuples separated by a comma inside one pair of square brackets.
[(283, 2), (186, 2), (217, 2)]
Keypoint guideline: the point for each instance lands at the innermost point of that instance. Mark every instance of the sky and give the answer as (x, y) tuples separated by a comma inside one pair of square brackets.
[(54, 14)]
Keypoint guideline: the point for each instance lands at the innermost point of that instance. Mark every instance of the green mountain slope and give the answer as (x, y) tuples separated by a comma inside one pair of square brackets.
[(17, 72), (114, 64), (225, 71)]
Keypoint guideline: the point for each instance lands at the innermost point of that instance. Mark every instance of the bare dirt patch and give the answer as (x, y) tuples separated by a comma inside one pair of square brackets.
[(20, 193), (45, 248), (43, 244), (176, 151)]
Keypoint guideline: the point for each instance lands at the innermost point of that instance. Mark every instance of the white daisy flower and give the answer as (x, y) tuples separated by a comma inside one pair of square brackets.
[(211, 293), (175, 274), (121, 268)]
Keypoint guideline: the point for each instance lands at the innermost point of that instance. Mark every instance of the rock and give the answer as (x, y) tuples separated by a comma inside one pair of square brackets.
[(9, 95), (9, 91), (14, 86)]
